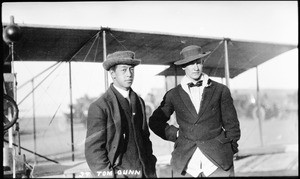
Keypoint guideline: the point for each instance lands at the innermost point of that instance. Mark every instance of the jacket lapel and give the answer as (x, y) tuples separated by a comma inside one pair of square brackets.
[(123, 102), (116, 111), (133, 98), (187, 102), (134, 102), (125, 106), (206, 98)]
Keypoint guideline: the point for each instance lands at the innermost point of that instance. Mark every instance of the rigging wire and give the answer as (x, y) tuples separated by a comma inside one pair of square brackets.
[(220, 57), (57, 75), (53, 117), (37, 76), (77, 51), (97, 36), (248, 61), (215, 72), (38, 84), (54, 114), (96, 52), (117, 40), (28, 110), (214, 50), (50, 85), (32, 152)]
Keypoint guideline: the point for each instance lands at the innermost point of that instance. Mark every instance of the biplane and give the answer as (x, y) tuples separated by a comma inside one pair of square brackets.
[(228, 58)]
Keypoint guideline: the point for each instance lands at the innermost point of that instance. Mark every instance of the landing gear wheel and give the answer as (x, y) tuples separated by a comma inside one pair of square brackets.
[(10, 112)]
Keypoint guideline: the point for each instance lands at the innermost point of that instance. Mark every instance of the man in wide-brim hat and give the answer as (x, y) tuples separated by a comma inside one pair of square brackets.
[(117, 142), (208, 131)]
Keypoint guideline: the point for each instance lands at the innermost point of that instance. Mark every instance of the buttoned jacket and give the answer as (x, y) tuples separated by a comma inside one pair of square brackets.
[(215, 129), (104, 133)]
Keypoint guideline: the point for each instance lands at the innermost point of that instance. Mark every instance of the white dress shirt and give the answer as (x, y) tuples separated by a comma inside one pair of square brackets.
[(198, 162), (123, 92)]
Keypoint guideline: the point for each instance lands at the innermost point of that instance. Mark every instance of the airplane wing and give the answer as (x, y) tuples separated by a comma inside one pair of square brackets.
[(58, 43)]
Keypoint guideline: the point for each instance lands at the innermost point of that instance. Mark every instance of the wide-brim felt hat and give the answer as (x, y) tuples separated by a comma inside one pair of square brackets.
[(120, 57), (191, 53)]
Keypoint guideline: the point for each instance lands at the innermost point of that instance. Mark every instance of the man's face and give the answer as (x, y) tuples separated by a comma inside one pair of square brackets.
[(123, 76), (194, 69)]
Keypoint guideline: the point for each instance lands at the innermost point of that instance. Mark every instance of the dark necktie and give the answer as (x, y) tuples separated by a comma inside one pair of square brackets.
[(128, 102), (199, 83)]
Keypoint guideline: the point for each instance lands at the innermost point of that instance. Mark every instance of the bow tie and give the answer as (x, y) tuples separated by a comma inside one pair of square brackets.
[(199, 83)]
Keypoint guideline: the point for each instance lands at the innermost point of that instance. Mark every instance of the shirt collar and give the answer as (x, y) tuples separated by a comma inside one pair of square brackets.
[(185, 80), (123, 92)]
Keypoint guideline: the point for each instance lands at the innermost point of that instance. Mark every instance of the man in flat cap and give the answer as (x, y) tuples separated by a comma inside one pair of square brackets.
[(208, 131), (117, 142)]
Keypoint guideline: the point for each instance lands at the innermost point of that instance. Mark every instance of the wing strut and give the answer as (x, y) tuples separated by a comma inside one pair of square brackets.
[(71, 111), (104, 58), (227, 74), (259, 111)]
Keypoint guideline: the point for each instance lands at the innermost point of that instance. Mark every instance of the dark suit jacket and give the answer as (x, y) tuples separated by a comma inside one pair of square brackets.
[(215, 129), (104, 132)]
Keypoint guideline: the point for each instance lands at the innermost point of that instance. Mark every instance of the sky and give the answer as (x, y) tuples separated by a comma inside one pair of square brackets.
[(265, 21)]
